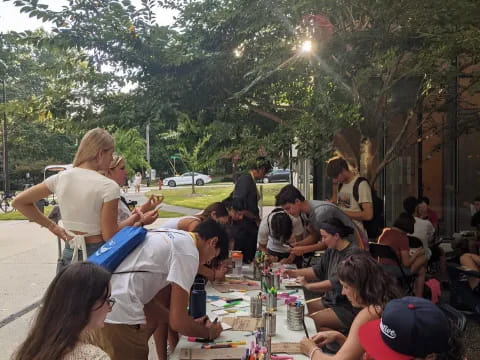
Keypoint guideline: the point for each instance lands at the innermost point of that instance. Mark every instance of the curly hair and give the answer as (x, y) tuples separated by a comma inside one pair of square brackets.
[(372, 284)]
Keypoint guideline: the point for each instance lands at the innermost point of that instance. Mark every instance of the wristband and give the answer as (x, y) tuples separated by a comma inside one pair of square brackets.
[(313, 352)]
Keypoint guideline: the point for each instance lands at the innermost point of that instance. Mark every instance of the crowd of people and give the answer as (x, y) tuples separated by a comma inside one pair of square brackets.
[(355, 299)]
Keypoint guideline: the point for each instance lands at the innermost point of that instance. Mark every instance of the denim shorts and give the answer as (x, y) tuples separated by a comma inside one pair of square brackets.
[(67, 254)]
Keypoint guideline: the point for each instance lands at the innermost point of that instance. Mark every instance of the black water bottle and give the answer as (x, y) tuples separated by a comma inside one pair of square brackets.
[(198, 298)]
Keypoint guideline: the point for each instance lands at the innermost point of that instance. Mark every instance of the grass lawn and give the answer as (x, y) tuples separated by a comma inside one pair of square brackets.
[(16, 215), (182, 196)]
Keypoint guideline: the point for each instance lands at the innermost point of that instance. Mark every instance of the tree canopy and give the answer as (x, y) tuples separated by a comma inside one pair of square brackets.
[(256, 76)]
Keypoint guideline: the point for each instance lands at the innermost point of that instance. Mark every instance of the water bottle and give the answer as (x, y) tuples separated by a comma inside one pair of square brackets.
[(198, 298)]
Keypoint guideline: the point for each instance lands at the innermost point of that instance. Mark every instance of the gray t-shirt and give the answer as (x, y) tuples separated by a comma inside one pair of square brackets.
[(321, 211), (326, 269)]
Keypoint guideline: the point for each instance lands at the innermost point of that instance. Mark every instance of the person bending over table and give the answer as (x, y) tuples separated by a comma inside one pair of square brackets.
[(332, 310), (367, 286), (274, 234), (313, 212), (151, 287)]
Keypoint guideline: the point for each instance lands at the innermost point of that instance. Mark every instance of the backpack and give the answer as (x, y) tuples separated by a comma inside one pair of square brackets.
[(374, 226), (115, 250)]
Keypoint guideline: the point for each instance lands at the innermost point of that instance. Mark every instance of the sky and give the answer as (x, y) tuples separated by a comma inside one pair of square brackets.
[(12, 20)]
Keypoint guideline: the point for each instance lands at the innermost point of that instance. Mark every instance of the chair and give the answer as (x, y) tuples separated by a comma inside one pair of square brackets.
[(381, 251)]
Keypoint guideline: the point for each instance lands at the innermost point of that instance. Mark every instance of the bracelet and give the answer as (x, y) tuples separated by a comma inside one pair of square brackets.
[(313, 352)]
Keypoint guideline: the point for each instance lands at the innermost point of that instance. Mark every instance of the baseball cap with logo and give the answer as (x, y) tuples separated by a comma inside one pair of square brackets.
[(410, 327)]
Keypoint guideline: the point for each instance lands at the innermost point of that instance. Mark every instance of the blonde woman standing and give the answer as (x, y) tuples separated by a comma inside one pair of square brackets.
[(88, 200)]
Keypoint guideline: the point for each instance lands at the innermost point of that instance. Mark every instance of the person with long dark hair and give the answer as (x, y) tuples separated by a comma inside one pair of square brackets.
[(367, 286), (77, 300), (332, 310)]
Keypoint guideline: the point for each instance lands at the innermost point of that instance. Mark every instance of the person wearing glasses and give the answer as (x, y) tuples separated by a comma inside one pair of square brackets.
[(76, 302), (367, 286)]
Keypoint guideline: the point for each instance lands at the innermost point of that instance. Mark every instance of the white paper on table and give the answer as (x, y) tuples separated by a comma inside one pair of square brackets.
[(226, 326), (220, 312), (242, 304), (219, 303), (238, 295)]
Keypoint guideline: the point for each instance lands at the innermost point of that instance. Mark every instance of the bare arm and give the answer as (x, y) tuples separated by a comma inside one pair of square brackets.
[(108, 222), (300, 250), (321, 286), (307, 273), (364, 215), (407, 259), (351, 349), (180, 321), (25, 203)]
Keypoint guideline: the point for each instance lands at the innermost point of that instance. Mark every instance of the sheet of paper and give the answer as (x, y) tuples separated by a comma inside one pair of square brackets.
[(219, 303), (242, 304), (243, 323), (220, 312), (238, 295), (286, 348), (224, 288), (226, 326), (212, 354)]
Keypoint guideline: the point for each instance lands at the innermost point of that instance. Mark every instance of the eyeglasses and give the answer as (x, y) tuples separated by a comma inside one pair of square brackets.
[(109, 300)]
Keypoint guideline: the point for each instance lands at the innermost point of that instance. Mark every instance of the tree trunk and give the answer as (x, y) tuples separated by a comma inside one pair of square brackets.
[(193, 182), (367, 158)]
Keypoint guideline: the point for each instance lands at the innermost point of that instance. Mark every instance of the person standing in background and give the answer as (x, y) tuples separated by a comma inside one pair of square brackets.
[(245, 231), (343, 193), (137, 182)]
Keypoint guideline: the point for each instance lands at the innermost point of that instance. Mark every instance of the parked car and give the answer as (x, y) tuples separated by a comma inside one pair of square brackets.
[(186, 179), (280, 175)]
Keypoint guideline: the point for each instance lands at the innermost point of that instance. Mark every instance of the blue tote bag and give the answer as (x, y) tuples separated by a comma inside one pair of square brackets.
[(112, 253)]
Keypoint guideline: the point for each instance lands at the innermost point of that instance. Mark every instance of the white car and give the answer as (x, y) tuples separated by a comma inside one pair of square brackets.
[(186, 179)]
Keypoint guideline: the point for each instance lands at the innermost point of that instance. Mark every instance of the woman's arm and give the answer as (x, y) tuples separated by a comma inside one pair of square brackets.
[(109, 222), (25, 203), (351, 349)]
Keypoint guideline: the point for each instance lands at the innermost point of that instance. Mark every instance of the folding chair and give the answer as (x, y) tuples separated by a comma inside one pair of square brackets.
[(380, 251)]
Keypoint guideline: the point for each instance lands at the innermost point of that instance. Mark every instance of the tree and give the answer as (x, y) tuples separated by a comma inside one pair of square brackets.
[(246, 75), (130, 145)]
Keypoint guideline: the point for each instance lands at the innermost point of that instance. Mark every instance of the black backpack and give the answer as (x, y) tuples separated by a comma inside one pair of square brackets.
[(375, 226)]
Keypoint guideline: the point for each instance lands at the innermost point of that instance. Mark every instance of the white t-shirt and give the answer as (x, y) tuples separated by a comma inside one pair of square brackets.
[(346, 201), (424, 231), (123, 212), (168, 256), (264, 238), (81, 194)]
